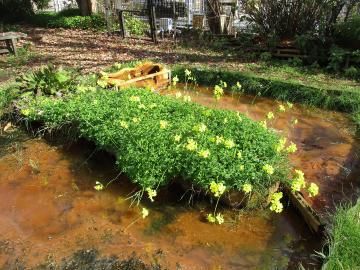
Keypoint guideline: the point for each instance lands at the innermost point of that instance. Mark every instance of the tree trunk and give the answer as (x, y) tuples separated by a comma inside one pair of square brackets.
[(85, 7)]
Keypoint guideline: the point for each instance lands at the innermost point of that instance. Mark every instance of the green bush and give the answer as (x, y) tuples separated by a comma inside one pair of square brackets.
[(66, 19), (135, 26), (347, 33), (337, 58), (344, 242), (157, 138), (352, 72), (15, 10), (265, 56)]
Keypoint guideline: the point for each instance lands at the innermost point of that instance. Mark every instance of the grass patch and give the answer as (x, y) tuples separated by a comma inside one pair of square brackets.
[(8, 93), (344, 242), (345, 101), (157, 138), (301, 75)]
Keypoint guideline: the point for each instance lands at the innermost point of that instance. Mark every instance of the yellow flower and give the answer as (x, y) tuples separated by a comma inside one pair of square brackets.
[(282, 108), (141, 106), (298, 181), (144, 212), (135, 98), (241, 167), (187, 72), (263, 124), (25, 112), (200, 128), (299, 175), (270, 115), (210, 218), (219, 139), (223, 84), (289, 104), (204, 153), (313, 190), (177, 138), (291, 148), (153, 105), (191, 145), (218, 92), (268, 169), (294, 122), (151, 193), (217, 189), (239, 155), (281, 145), (239, 116), (229, 143), (136, 120), (98, 186), (247, 188), (275, 204), (219, 218), (187, 98), (102, 83), (175, 80), (123, 124), (163, 124), (225, 120), (238, 85), (178, 95)]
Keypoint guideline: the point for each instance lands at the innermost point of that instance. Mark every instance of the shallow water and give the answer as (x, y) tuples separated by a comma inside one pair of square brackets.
[(49, 208)]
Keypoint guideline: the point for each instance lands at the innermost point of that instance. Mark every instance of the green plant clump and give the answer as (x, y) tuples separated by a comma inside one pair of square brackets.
[(48, 81), (68, 20), (344, 242), (8, 93), (135, 25), (157, 138)]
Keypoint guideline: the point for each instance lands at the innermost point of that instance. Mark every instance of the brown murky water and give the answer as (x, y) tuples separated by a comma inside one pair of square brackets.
[(49, 208)]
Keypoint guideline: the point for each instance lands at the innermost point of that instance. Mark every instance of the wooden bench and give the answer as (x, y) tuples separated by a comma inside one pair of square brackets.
[(10, 38)]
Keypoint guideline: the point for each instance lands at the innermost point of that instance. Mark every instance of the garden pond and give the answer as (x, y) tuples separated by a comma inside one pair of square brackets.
[(50, 208)]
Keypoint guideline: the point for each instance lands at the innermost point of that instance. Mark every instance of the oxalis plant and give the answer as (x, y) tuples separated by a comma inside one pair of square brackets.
[(157, 138)]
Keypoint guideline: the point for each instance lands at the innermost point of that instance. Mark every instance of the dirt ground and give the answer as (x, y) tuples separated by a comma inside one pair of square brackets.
[(91, 51)]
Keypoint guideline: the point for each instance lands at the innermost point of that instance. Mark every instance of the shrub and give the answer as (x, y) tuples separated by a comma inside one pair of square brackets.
[(135, 25), (48, 81), (15, 10), (352, 72), (347, 33), (156, 138), (265, 56), (336, 58), (66, 19), (284, 18)]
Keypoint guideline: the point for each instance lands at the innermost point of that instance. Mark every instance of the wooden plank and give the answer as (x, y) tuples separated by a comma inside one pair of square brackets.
[(4, 51), (289, 55), (144, 77), (315, 223), (289, 50)]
